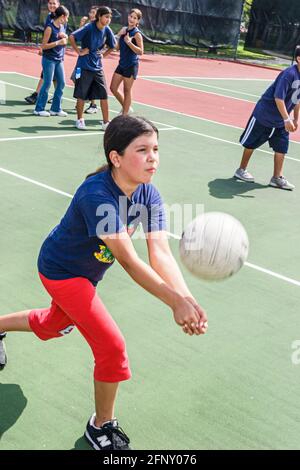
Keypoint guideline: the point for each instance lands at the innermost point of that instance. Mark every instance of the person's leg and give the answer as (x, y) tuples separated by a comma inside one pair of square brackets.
[(60, 85), (39, 86), (15, 321), (104, 110), (278, 164), (128, 84), (114, 87), (80, 108), (48, 73), (105, 397), (247, 154)]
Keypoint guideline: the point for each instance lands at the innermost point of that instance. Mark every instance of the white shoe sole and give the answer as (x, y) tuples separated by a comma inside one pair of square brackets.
[(273, 185), (243, 179)]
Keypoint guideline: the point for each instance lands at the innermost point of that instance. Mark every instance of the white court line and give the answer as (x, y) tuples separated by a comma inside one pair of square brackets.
[(161, 123), (176, 237), (215, 88), (139, 102), (162, 109), (200, 91), (203, 78), (60, 136)]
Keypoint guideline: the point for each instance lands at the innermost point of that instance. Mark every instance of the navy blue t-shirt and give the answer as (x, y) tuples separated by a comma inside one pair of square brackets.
[(49, 20), (74, 247), (94, 39), (128, 58), (286, 87), (57, 52)]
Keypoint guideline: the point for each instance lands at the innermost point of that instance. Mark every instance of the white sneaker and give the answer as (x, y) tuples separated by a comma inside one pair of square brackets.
[(41, 113), (60, 113), (104, 125), (243, 175), (80, 124), (130, 111), (92, 109), (282, 183)]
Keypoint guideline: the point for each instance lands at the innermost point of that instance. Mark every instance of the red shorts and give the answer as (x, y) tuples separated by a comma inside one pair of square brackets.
[(75, 303)]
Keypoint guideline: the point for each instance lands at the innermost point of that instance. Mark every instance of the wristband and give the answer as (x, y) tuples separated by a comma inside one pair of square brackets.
[(56, 43), (288, 120)]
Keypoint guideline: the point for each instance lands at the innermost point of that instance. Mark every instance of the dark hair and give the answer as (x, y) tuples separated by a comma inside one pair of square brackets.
[(297, 52), (121, 131), (60, 11), (103, 11)]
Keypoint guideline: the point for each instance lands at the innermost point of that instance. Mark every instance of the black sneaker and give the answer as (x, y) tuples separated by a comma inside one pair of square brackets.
[(109, 437), (32, 98), (92, 109), (3, 357)]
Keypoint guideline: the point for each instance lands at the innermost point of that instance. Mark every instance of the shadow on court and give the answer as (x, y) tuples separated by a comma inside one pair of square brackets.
[(231, 187), (81, 444), (15, 103), (12, 404), (94, 126)]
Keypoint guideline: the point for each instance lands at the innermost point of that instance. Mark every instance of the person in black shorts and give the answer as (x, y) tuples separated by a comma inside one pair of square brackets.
[(89, 78)]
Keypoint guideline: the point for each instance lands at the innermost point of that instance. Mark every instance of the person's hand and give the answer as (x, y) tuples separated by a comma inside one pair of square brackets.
[(295, 122), (63, 42), (40, 51), (289, 126), (190, 316), (62, 35), (127, 38), (84, 51)]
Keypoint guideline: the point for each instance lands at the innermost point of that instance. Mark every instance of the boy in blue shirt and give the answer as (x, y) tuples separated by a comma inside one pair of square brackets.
[(90, 81), (271, 121)]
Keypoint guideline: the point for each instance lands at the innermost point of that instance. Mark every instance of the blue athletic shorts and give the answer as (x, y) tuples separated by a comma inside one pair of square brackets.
[(128, 72), (256, 135)]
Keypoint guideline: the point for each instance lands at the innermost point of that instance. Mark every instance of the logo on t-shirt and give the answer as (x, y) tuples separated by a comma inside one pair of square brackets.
[(104, 255)]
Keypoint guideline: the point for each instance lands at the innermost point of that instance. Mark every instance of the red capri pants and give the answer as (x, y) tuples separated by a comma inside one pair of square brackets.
[(75, 303)]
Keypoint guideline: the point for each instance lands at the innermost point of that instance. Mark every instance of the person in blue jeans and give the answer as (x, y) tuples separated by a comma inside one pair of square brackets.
[(52, 6), (53, 47)]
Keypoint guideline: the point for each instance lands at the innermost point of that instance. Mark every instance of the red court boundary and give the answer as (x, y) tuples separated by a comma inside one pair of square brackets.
[(205, 105)]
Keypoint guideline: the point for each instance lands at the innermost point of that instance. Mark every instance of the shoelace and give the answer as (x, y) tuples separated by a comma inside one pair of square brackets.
[(119, 431)]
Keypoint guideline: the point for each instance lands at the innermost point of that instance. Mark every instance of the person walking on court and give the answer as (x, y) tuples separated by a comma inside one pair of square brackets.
[(53, 56), (271, 121), (52, 6), (131, 46), (96, 229), (90, 80)]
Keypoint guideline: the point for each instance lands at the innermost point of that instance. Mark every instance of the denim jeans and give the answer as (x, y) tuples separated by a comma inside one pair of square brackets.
[(51, 69)]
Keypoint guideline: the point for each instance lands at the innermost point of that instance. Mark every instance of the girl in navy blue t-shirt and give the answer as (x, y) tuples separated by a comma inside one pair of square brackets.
[(96, 229), (53, 47), (131, 47), (52, 6)]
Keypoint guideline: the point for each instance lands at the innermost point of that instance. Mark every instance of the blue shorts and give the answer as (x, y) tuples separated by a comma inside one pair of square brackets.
[(256, 135), (128, 72)]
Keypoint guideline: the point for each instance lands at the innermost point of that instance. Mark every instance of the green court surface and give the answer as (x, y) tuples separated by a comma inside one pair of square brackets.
[(234, 388)]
